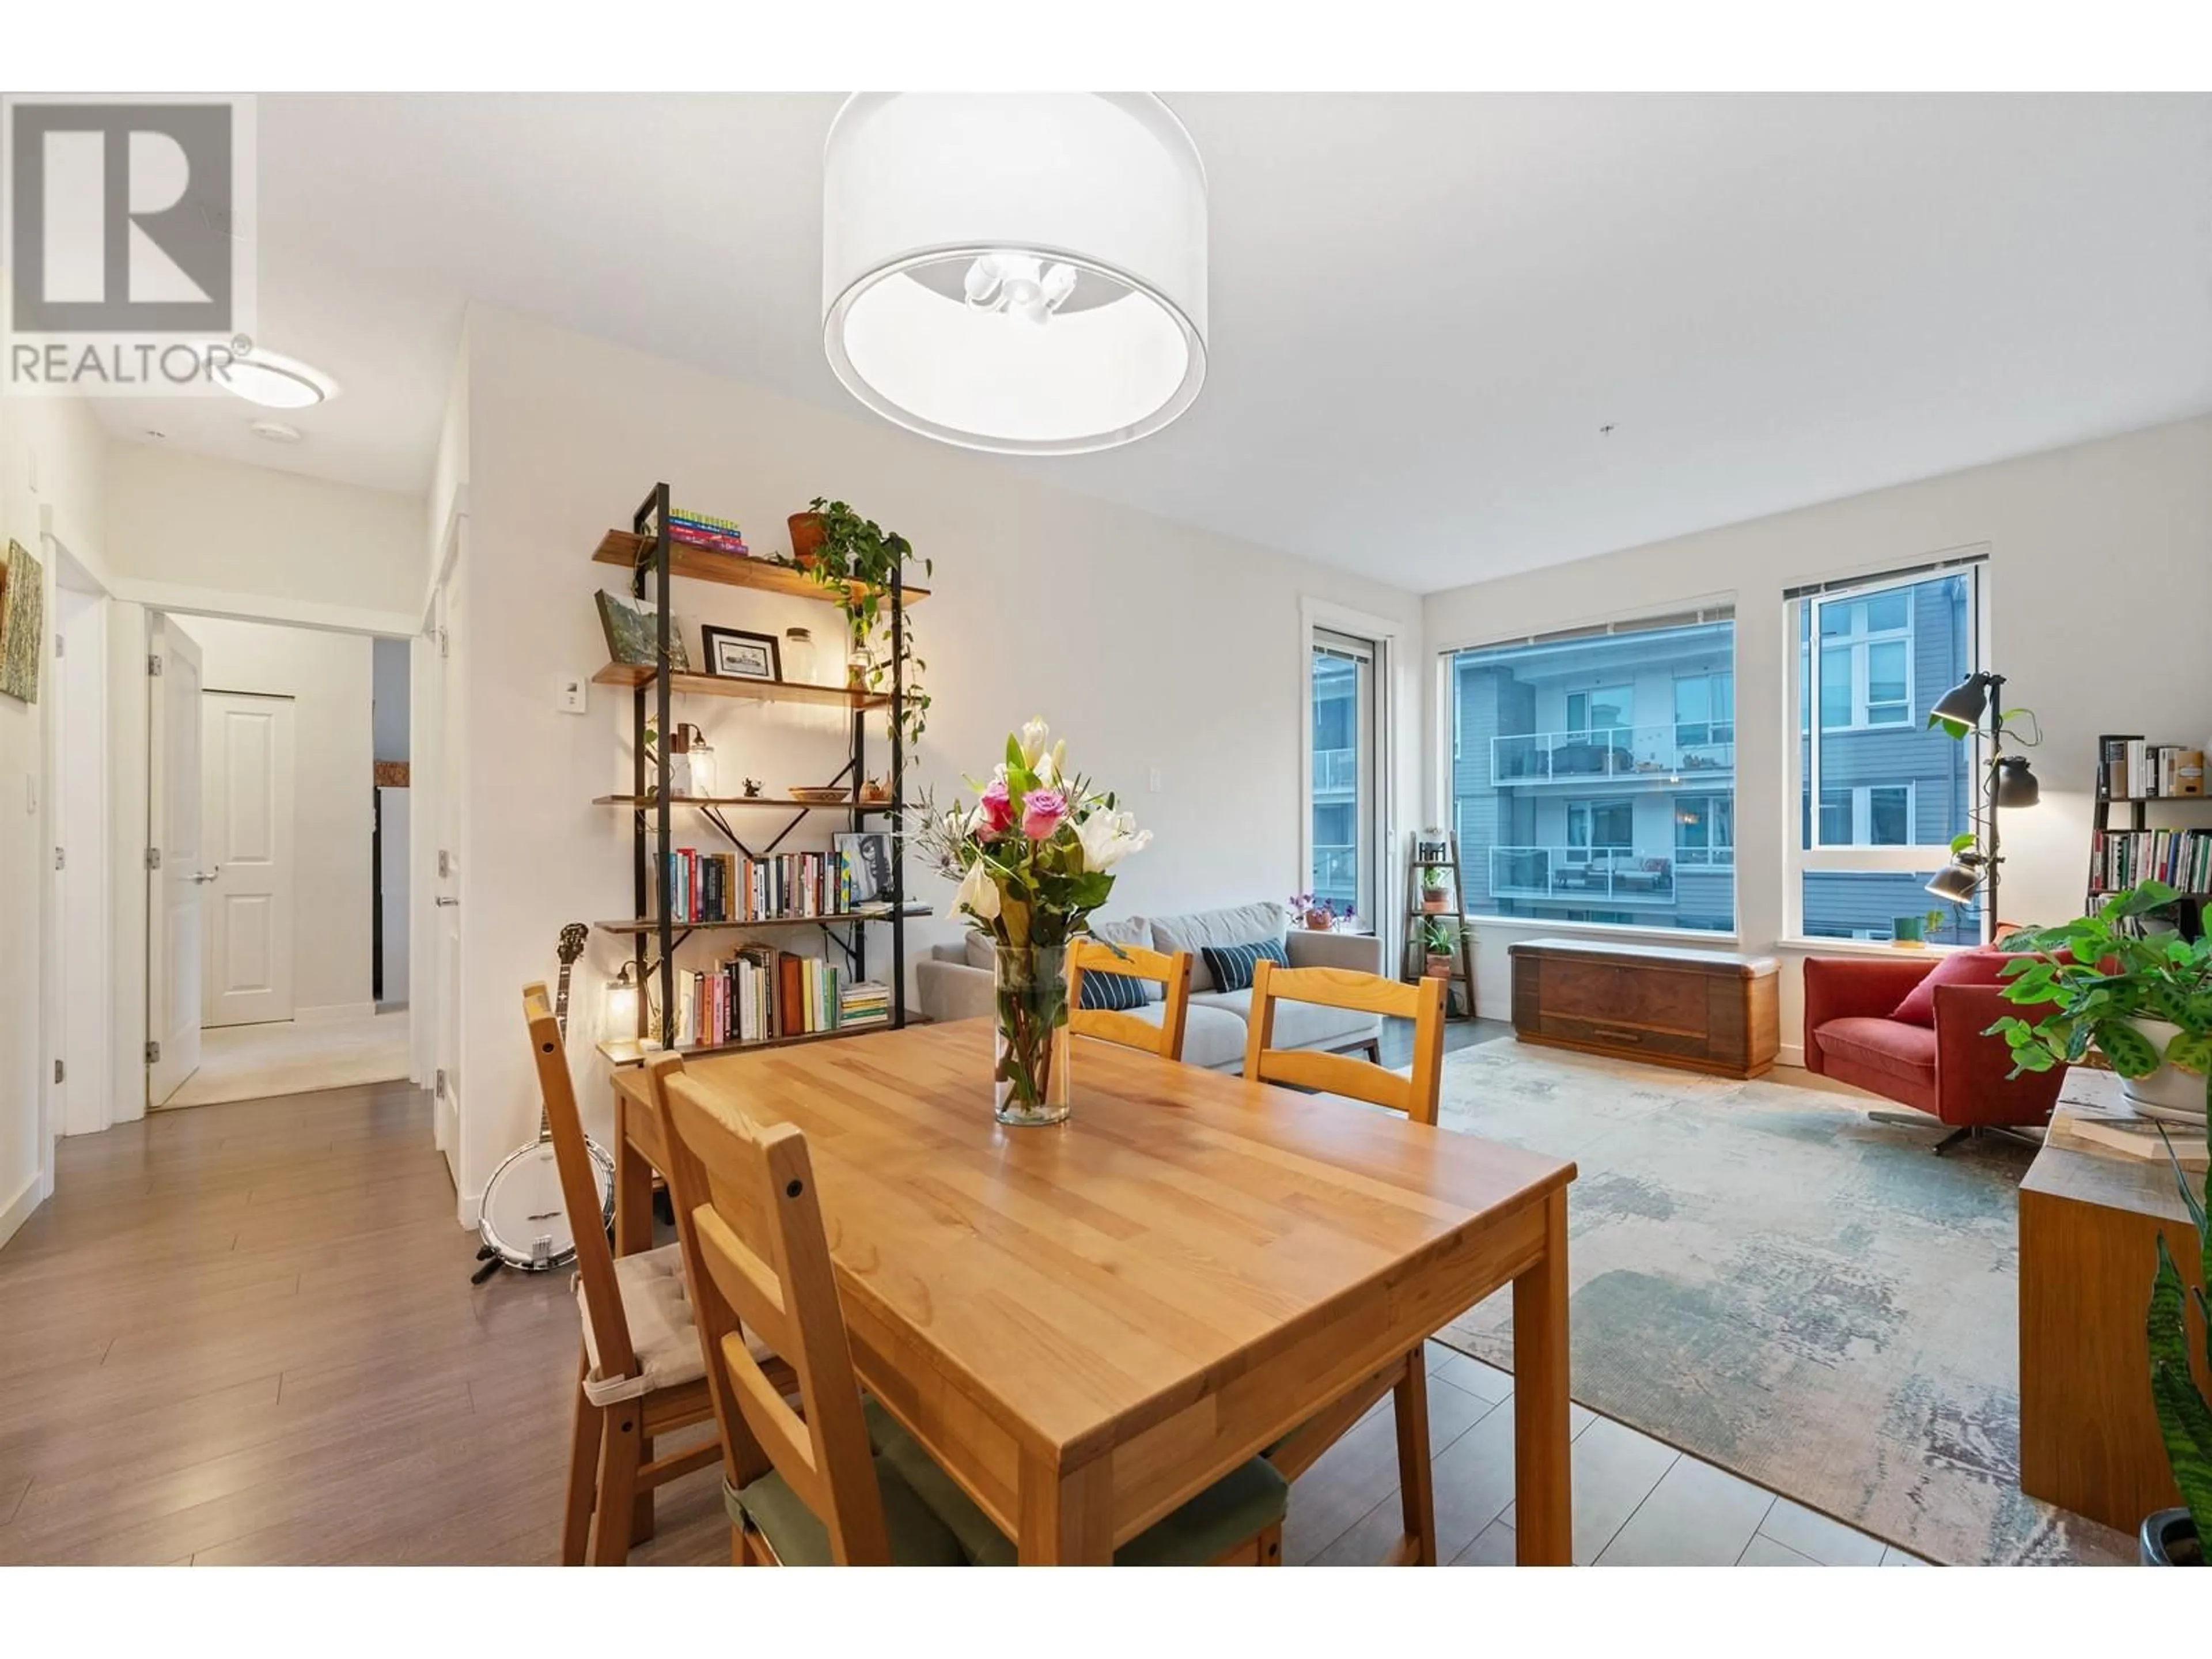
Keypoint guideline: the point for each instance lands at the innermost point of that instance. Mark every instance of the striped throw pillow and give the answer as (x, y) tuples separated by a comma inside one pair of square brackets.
[(1118, 992), (1233, 965)]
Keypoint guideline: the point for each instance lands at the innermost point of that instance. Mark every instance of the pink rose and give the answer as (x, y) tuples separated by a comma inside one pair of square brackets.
[(998, 810), (1043, 812)]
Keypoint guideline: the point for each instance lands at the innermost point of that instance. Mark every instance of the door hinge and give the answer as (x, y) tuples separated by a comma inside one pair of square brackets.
[(61, 1073), (152, 1054), (152, 857), (439, 1089), (58, 643), (61, 859), (154, 666)]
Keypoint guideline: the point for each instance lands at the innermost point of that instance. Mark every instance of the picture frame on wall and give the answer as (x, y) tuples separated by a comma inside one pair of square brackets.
[(22, 623), (734, 653)]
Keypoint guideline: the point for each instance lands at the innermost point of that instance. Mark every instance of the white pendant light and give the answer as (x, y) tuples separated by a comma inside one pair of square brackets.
[(276, 382), (1023, 272)]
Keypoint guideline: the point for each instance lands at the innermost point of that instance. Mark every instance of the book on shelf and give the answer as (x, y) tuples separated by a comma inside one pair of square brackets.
[(2131, 768), (728, 887), (2182, 859), (758, 994)]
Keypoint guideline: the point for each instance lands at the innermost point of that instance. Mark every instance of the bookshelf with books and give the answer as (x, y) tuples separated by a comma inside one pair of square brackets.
[(727, 995), (2135, 779)]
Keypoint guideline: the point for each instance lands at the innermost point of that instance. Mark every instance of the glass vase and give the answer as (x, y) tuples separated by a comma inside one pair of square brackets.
[(1029, 1081)]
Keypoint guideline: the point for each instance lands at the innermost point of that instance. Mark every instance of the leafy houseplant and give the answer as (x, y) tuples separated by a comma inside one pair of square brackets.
[(2143, 1001), (2185, 1421), (855, 559), (1437, 937), (1434, 880)]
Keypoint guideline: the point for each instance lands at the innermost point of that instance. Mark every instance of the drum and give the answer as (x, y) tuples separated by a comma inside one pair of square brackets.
[(525, 1221)]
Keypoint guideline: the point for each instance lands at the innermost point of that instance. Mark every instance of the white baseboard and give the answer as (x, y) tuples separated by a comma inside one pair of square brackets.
[(1790, 1054), (328, 1011), (19, 1209)]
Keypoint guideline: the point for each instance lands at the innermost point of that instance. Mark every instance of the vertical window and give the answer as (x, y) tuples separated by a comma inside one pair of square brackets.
[(1593, 773), (1880, 794), (1342, 812)]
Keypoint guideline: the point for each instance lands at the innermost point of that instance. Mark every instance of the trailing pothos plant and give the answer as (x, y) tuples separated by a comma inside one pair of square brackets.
[(855, 563), (2091, 979)]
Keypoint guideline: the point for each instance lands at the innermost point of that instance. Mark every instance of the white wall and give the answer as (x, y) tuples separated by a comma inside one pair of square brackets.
[(392, 696), (1148, 644), (50, 479), (82, 822), (194, 533), (328, 676), (2100, 571)]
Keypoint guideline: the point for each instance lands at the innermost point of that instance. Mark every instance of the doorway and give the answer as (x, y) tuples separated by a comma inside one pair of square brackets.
[(1344, 808), (262, 906)]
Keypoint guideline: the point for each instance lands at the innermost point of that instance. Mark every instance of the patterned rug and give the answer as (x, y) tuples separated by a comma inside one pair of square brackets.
[(1763, 1278)]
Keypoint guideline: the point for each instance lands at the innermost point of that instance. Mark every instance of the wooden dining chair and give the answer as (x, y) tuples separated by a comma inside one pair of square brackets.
[(832, 1478), (1416, 1095), (641, 1374), (1125, 1026)]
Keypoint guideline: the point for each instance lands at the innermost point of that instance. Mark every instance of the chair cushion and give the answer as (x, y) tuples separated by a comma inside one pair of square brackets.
[(1211, 1037), (1297, 1025), (1251, 1496), (795, 1532), (664, 1332), (1959, 968), (1239, 925), (1890, 1047), (1231, 967), (983, 951)]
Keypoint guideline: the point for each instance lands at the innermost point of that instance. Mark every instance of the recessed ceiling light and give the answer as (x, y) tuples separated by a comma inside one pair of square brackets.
[(276, 382), (276, 431)]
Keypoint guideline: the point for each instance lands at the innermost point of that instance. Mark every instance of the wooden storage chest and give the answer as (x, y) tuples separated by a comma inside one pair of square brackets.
[(1703, 1011)]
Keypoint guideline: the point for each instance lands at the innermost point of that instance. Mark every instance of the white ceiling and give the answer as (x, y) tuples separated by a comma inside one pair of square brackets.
[(1424, 307)]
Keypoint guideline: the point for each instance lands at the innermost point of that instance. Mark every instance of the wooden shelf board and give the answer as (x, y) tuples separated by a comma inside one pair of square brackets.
[(725, 685), (625, 548), (633, 1051), (782, 802), (652, 924)]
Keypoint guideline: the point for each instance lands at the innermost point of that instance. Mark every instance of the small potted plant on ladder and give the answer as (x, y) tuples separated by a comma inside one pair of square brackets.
[(1435, 888)]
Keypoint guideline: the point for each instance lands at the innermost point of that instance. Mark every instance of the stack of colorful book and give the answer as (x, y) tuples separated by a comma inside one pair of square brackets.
[(865, 1002), (704, 529)]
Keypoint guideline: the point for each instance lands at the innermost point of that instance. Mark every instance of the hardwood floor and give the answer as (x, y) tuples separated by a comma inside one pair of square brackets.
[(245, 1334)]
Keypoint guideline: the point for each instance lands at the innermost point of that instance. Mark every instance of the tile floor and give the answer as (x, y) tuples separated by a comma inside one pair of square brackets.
[(1637, 1502)]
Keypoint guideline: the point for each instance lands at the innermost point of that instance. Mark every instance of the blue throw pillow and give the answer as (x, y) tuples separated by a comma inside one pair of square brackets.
[(1233, 965), (1118, 992)]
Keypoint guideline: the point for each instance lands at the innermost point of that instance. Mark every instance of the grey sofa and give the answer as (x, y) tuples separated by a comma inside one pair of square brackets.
[(955, 980)]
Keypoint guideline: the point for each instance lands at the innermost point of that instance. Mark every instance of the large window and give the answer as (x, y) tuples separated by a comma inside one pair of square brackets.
[(1879, 794), (1344, 794), (1593, 773)]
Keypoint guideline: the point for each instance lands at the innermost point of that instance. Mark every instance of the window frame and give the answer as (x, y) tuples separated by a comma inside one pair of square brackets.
[(1860, 643), (1801, 644)]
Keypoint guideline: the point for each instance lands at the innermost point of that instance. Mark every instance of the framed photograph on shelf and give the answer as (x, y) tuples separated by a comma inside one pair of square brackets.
[(865, 855), (735, 655), (633, 628)]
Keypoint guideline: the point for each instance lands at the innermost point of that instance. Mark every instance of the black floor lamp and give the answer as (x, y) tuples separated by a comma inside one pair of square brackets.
[(2005, 783)]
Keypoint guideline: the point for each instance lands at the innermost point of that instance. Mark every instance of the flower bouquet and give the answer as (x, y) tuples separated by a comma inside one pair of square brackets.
[(1034, 858)]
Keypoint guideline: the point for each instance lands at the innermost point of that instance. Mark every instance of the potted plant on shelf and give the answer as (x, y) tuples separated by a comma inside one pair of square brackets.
[(1315, 912), (855, 560), (2143, 1001), (1435, 888), (1437, 937)]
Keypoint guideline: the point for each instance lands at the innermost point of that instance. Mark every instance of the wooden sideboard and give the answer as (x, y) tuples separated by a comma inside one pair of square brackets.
[(1703, 1011), (2089, 1226)]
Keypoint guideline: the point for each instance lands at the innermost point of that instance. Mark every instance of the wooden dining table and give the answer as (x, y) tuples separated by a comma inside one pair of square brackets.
[(1089, 1324)]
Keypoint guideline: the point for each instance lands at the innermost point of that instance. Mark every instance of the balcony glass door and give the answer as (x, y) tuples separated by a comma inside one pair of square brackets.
[(1344, 828)]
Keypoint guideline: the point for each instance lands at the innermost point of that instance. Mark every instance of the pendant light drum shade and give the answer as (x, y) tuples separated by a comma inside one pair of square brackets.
[(1023, 272)]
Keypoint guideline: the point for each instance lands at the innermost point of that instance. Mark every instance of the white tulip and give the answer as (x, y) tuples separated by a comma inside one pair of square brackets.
[(1032, 741), (978, 895)]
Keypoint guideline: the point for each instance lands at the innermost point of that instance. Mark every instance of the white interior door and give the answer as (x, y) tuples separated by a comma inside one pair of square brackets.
[(452, 804), (173, 888), (246, 761)]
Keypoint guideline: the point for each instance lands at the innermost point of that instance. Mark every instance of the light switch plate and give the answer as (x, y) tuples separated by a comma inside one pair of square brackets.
[(1156, 780), (573, 696)]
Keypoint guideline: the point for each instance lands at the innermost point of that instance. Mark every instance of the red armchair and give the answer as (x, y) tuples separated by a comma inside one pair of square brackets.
[(1950, 1071)]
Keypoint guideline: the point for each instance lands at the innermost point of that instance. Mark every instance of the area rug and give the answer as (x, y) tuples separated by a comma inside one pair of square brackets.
[(1762, 1277)]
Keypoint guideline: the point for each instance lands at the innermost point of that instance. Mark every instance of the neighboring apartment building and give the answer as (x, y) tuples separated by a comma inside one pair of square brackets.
[(1593, 772)]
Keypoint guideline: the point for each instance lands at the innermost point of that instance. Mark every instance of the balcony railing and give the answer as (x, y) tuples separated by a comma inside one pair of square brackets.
[(1336, 874), (1335, 771), (1615, 874), (1688, 749)]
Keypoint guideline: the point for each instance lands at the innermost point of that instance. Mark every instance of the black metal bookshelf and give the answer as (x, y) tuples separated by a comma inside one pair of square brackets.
[(652, 556), (2189, 905)]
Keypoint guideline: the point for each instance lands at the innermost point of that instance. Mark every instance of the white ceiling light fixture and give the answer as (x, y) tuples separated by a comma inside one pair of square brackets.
[(276, 382), (275, 431), (1020, 272)]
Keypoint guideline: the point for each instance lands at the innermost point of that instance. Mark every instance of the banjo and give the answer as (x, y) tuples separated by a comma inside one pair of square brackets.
[(524, 1220)]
